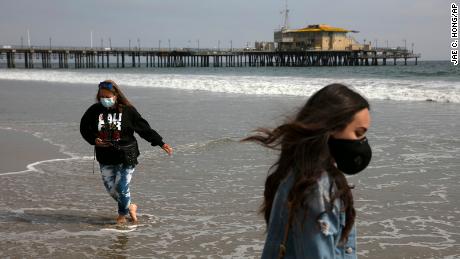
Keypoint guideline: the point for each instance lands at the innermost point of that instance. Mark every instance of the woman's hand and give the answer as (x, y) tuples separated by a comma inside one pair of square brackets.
[(100, 143), (167, 149)]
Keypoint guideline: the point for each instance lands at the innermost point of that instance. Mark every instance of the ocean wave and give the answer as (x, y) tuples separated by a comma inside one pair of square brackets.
[(372, 88)]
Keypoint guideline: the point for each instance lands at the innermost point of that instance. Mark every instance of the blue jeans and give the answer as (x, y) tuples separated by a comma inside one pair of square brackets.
[(116, 180)]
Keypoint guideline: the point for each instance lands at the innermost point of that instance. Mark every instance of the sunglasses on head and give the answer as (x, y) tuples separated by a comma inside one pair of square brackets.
[(106, 85)]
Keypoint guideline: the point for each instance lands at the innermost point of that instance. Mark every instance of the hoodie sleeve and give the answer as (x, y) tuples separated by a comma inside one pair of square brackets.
[(88, 126), (142, 127)]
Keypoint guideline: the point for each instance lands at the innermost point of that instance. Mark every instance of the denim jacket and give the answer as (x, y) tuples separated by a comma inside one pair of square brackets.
[(316, 236)]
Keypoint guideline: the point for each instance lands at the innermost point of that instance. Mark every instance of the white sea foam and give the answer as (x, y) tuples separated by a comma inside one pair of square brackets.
[(373, 88), (33, 167)]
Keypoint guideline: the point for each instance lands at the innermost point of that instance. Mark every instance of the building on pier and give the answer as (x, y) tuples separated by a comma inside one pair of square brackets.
[(264, 46), (317, 37)]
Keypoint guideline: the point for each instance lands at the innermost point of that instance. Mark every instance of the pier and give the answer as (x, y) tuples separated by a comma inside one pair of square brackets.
[(93, 58)]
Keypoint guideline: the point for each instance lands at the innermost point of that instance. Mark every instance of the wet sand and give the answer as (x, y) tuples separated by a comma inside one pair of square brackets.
[(19, 149)]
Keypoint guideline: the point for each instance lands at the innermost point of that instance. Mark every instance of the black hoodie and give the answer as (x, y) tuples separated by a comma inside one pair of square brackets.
[(113, 126)]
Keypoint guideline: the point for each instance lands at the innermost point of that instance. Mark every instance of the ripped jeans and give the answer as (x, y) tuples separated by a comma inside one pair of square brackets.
[(116, 180)]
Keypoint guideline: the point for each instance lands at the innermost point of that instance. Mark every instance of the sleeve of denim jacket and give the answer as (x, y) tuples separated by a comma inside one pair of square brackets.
[(317, 237), (349, 250), (278, 221)]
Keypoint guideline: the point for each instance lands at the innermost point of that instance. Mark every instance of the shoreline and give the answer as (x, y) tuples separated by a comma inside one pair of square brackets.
[(21, 150), (33, 150)]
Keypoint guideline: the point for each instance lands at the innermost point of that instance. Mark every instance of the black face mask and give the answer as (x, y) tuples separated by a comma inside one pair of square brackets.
[(351, 155)]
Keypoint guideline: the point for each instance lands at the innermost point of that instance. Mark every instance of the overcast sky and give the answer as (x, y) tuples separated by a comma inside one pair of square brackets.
[(426, 23)]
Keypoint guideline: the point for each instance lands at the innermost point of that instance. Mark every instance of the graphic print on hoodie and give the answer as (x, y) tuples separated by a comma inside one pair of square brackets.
[(109, 127)]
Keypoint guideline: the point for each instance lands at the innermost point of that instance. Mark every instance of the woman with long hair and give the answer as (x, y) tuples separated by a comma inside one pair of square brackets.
[(308, 203), (109, 125)]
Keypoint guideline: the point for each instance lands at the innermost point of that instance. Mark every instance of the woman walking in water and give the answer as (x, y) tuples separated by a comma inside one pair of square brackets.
[(308, 203), (109, 125)]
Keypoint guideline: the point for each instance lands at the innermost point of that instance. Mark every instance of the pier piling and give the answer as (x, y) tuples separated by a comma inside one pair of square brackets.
[(100, 58)]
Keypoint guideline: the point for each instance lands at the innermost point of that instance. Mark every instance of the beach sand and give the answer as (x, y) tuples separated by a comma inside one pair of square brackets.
[(203, 201), (19, 149)]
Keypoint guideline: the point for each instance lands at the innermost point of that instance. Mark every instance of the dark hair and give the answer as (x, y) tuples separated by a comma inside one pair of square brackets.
[(303, 142), (121, 97)]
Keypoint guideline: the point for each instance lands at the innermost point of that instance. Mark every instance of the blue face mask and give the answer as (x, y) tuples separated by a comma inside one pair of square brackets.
[(108, 102)]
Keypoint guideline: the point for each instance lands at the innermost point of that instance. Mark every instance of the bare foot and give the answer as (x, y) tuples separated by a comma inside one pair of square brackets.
[(121, 219), (132, 212)]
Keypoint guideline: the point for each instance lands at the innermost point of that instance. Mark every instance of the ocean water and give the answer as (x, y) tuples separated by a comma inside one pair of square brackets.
[(430, 80), (203, 201)]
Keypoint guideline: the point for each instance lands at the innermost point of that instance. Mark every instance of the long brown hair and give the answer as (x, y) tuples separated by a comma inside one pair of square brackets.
[(122, 101), (303, 142)]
